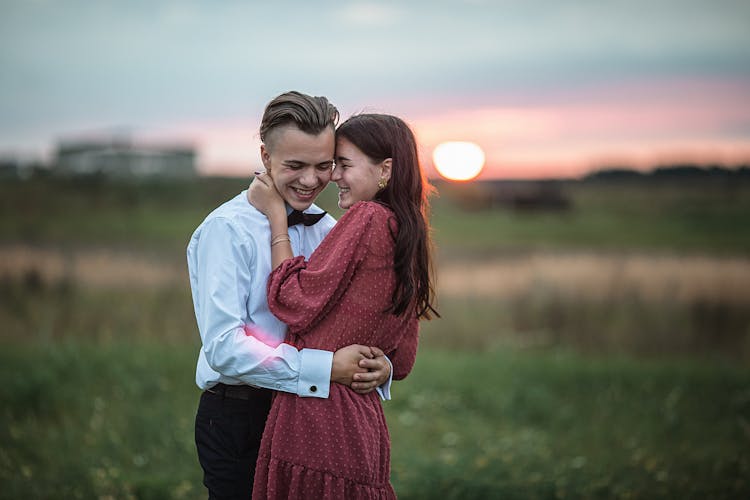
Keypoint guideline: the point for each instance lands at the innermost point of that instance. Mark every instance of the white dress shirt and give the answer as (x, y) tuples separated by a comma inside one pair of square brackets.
[(229, 260)]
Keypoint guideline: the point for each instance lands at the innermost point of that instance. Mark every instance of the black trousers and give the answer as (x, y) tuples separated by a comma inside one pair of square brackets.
[(227, 436)]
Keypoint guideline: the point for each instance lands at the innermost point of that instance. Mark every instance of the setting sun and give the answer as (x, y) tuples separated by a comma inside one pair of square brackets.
[(458, 161)]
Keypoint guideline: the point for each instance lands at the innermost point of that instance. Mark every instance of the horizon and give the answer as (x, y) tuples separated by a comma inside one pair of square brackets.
[(706, 164)]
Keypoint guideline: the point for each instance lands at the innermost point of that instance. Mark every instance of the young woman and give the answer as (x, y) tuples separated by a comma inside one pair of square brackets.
[(368, 283)]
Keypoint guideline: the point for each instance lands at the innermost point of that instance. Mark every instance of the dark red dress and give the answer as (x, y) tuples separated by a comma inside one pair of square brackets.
[(336, 448)]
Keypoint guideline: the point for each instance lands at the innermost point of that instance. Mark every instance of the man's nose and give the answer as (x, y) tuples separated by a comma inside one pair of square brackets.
[(308, 178)]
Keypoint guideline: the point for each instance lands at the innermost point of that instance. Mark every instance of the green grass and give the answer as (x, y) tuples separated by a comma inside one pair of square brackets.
[(73, 212), (115, 419), (545, 425), (94, 421), (688, 217), (611, 325), (637, 216)]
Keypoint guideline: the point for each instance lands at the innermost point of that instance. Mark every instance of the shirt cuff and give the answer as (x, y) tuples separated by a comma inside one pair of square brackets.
[(385, 390), (314, 373)]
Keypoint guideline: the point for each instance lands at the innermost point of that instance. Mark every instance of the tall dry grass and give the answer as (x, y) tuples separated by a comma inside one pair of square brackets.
[(94, 268), (578, 275), (655, 304), (587, 276)]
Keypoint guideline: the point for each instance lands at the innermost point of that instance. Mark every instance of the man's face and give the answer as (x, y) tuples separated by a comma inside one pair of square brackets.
[(299, 163)]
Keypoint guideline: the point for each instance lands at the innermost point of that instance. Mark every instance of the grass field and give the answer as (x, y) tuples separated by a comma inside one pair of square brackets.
[(691, 217), (114, 420), (598, 352)]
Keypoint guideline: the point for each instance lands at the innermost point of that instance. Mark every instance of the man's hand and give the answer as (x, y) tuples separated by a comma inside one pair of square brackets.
[(378, 372), (346, 363)]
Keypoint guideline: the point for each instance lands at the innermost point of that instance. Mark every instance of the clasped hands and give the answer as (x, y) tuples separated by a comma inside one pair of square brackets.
[(360, 367)]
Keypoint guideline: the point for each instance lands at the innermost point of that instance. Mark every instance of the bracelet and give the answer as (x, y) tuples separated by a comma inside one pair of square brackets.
[(280, 239)]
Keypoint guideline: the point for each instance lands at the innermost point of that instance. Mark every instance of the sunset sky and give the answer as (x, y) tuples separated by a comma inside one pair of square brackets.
[(545, 87)]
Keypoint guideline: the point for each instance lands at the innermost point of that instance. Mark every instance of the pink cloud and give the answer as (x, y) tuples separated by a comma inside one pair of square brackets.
[(570, 131), (634, 124)]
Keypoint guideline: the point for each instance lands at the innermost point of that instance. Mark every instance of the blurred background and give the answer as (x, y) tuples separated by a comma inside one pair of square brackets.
[(592, 166)]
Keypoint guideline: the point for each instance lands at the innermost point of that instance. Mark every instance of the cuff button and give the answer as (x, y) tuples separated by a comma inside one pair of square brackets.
[(313, 388)]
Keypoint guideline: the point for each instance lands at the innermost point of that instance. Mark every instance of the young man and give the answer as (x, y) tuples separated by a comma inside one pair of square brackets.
[(243, 358)]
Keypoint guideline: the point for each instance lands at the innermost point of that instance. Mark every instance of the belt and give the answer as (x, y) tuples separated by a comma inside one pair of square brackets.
[(245, 392)]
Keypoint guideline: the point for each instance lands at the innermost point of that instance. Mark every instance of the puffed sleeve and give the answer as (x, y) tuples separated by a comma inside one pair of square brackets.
[(404, 356), (300, 292)]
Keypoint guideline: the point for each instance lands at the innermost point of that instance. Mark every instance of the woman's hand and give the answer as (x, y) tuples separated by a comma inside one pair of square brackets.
[(262, 194)]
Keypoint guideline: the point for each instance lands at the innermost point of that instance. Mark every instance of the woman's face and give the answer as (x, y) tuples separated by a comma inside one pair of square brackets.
[(356, 175)]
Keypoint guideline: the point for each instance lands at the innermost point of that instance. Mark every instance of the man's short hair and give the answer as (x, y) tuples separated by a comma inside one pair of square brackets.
[(310, 114)]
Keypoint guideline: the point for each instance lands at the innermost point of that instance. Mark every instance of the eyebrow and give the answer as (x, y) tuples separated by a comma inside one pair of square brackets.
[(343, 158), (298, 163)]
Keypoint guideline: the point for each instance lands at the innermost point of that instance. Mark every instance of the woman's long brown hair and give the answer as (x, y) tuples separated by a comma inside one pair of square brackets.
[(384, 136)]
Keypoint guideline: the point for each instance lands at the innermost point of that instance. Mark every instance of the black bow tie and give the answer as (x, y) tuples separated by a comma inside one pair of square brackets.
[(297, 217)]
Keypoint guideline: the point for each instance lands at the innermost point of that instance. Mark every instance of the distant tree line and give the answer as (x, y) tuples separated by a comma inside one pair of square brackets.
[(676, 172)]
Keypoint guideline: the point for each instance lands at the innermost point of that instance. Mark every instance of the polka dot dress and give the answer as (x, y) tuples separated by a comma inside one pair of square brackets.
[(336, 448)]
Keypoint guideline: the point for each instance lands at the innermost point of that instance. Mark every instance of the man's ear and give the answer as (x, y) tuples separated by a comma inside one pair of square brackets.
[(385, 169), (265, 157)]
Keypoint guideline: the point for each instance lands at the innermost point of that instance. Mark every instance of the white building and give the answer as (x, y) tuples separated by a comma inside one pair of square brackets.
[(117, 157)]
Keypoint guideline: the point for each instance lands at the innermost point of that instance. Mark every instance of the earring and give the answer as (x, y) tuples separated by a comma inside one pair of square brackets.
[(382, 183)]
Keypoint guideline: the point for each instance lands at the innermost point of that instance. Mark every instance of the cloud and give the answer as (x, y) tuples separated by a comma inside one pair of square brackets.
[(78, 64), (639, 123), (368, 14)]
